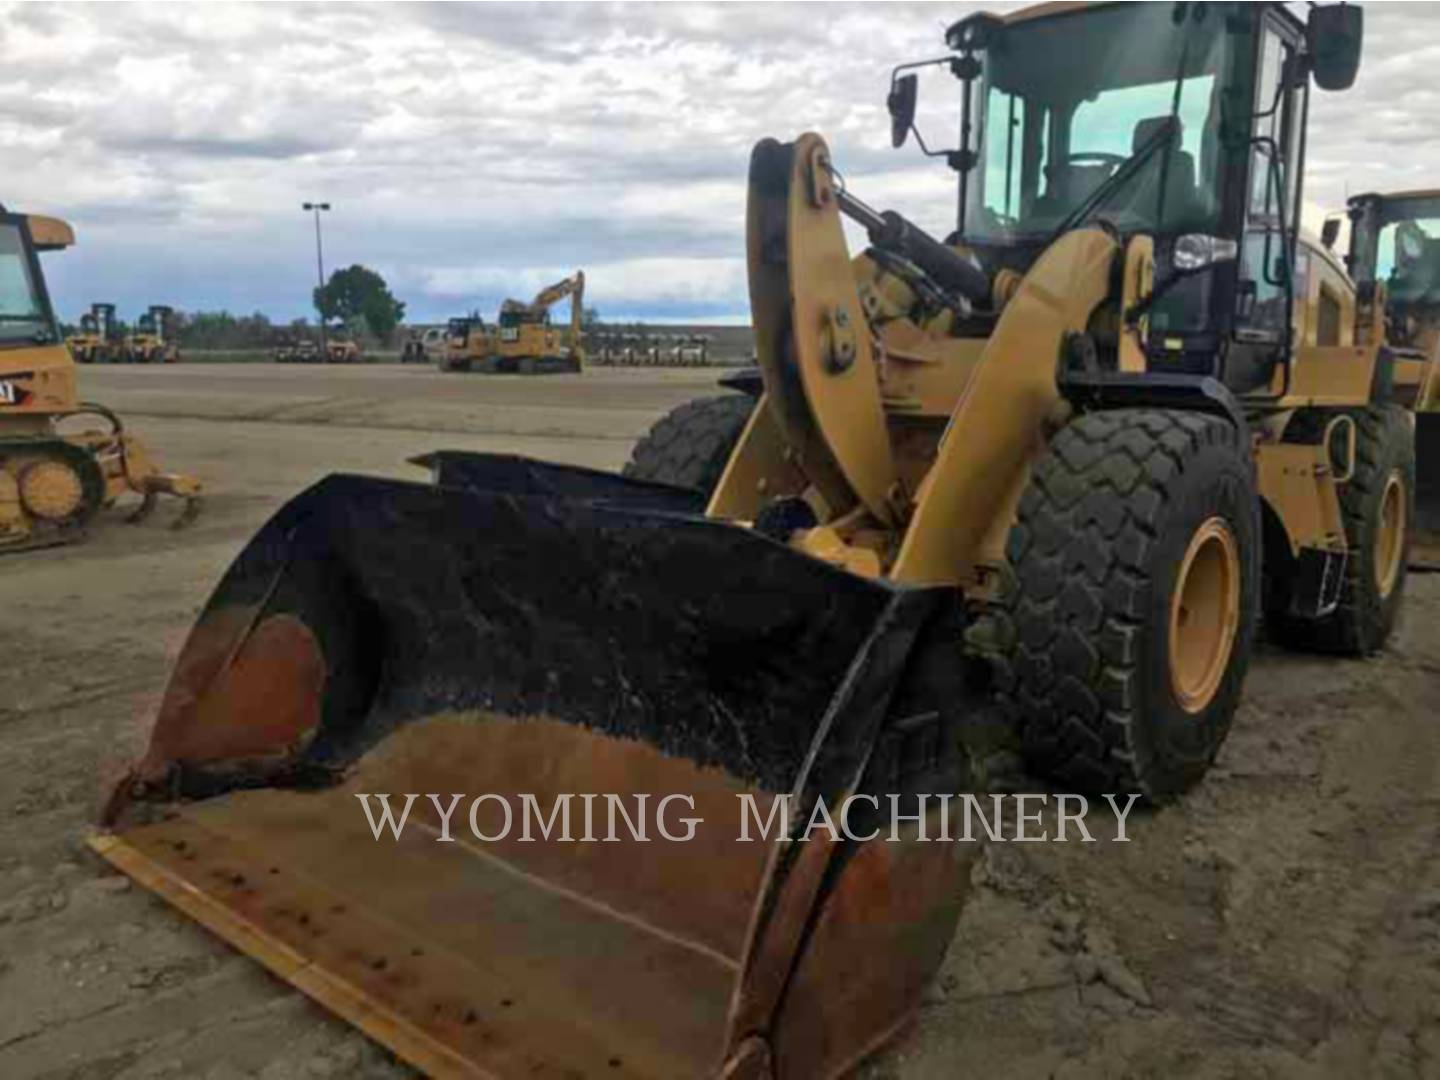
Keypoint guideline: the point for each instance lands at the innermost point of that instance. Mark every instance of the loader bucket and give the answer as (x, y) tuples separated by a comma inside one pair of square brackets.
[(1425, 537), (519, 630)]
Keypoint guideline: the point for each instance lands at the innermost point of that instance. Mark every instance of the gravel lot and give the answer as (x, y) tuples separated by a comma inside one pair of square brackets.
[(1284, 920)]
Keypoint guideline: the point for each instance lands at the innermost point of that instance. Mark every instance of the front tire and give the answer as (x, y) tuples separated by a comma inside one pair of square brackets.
[(691, 445), (1136, 561)]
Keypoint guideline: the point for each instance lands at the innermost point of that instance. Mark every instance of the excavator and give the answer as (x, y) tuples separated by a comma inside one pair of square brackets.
[(1394, 257), (99, 340), (1030, 481), (54, 480), (155, 339), (523, 340)]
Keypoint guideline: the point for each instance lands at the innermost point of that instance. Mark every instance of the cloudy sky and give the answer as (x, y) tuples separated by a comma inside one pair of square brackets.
[(476, 151)]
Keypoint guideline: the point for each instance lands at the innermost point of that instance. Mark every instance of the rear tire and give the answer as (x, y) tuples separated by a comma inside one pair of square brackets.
[(690, 446), (1136, 561), (1377, 506)]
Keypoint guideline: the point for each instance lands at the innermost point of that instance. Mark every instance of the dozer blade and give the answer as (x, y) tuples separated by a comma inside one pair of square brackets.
[(1425, 537), (525, 630)]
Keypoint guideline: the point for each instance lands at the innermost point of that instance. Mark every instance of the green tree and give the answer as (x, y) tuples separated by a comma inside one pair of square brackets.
[(358, 294)]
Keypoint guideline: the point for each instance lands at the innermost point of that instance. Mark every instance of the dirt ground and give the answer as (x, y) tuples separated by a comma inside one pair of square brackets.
[(1283, 920)]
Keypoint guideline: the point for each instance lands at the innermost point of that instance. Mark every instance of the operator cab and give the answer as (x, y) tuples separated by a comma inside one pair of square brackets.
[(1395, 242), (457, 330), (26, 318), (1184, 122)]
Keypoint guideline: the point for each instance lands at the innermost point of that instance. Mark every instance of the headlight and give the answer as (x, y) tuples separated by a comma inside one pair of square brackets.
[(1196, 251)]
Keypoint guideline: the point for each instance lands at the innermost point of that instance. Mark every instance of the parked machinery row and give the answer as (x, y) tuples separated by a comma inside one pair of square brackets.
[(338, 346), (101, 339), (641, 349)]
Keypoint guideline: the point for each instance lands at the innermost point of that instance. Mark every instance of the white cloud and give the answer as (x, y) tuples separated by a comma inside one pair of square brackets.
[(477, 151)]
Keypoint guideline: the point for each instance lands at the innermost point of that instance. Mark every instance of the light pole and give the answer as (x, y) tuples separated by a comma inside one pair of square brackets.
[(316, 207)]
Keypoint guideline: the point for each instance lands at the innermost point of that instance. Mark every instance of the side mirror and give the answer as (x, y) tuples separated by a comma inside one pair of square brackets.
[(1330, 232), (901, 103), (1333, 36)]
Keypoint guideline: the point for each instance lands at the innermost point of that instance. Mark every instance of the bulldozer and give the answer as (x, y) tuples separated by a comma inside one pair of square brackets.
[(1031, 481), (1394, 258), (54, 480), (155, 339), (523, 341), (341, 346), (469, 344), (99, 340)]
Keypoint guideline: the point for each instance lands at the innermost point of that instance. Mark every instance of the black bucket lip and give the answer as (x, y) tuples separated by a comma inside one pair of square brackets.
[(518, 474)]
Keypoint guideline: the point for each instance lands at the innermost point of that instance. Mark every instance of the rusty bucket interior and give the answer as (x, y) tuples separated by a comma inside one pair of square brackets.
[(518, 632)]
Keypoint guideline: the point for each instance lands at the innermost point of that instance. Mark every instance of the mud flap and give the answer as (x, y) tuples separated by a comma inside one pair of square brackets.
[(1425, 537), (541, 634)]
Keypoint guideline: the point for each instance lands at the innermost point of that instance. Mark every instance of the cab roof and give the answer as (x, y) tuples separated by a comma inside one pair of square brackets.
[(49, 233)]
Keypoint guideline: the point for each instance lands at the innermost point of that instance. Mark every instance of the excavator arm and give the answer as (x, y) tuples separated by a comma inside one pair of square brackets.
[(573, 287)]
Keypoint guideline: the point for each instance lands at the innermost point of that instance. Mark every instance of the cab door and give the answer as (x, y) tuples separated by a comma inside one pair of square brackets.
[(1267, 292)]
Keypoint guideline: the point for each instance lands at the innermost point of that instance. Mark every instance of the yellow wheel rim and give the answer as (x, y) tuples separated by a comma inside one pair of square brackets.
[(51, 490), (1390, 535), (1204, 615)]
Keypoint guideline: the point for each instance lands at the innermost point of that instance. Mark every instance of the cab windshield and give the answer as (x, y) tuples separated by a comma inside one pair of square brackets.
[(1408, 260), (1065, 102), (23, 318)]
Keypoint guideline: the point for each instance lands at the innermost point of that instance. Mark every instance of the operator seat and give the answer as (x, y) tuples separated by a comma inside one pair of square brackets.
[(1181, 200)]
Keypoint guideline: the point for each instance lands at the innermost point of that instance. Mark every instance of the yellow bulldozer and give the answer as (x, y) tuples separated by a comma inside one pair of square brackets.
[(54, 480), (1394, 258), (469, 345), (1038, 478), (341, 346), (99, 340), (523, 340), (156, 338)]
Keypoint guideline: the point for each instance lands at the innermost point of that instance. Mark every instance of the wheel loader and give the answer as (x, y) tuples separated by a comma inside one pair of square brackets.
[(99, 340), (1034, 474), (523, 340), (1394, 257), (155, 339), (55, 479)]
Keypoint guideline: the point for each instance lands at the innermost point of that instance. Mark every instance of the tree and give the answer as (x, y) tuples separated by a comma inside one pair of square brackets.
[(358, 294)]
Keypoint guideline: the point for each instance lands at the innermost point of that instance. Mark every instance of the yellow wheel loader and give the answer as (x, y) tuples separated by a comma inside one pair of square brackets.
[(1036, 474), (155, 339), (1394, 258), (54, 479), (99, 340)]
